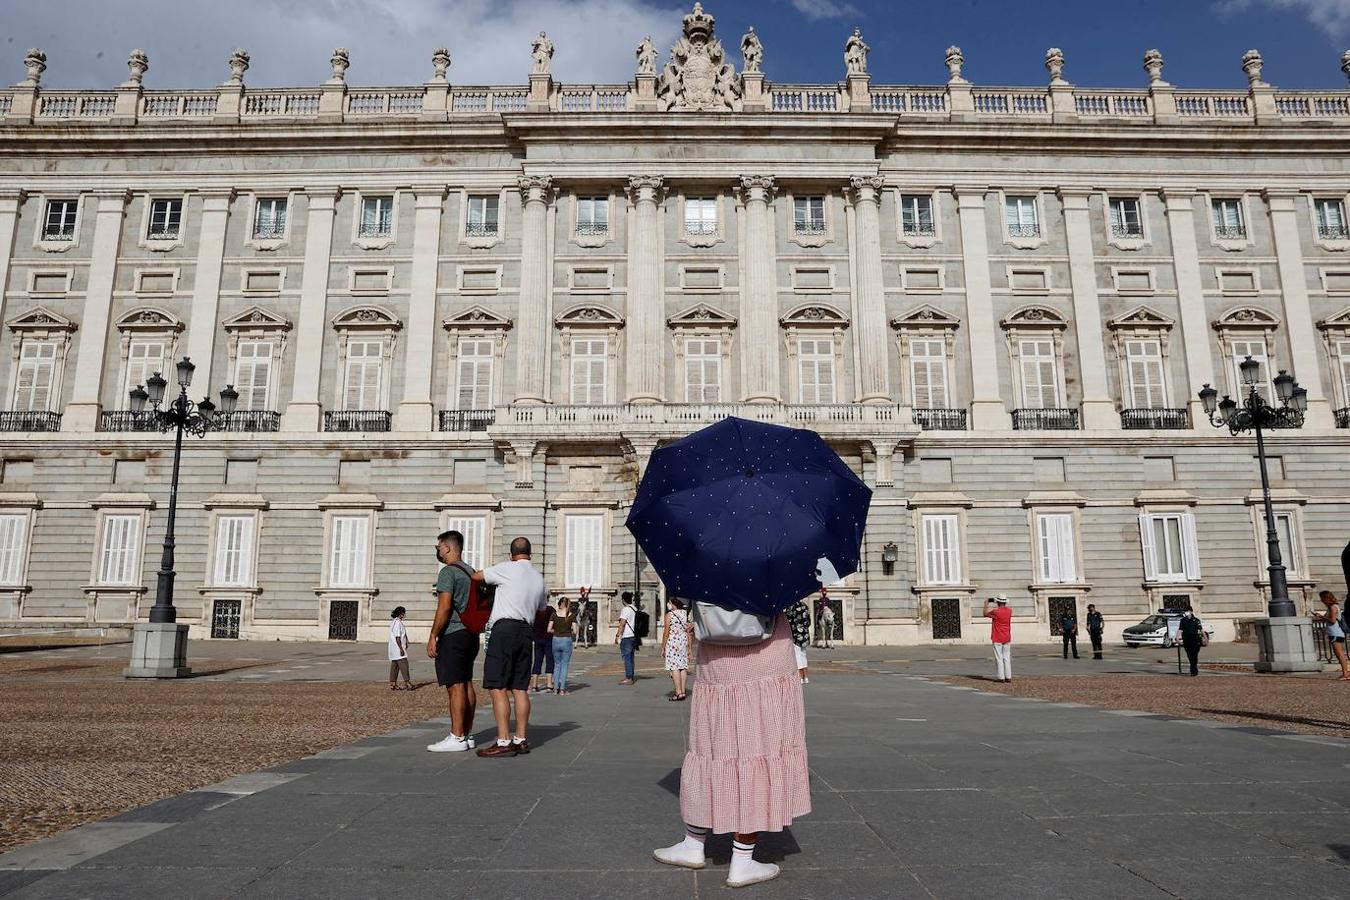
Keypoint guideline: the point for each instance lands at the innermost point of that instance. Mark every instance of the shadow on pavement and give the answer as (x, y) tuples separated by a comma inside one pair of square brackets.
[(1278, 717)]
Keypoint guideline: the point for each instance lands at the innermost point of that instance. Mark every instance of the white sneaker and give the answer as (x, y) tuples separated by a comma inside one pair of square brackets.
[(744, 873), (450, 744), (682, 854)]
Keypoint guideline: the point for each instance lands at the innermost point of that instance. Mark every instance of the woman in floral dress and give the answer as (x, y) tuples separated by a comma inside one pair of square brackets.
[(675, 645)]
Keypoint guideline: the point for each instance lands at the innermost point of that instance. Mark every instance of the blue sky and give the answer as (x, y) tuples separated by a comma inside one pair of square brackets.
[(390, 41)]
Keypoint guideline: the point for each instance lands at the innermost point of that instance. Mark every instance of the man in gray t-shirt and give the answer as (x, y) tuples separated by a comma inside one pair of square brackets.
[(452, 645)]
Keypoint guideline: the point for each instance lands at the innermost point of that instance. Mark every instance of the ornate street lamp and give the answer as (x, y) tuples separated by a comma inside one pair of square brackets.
[(164, 656), (1254, 413)]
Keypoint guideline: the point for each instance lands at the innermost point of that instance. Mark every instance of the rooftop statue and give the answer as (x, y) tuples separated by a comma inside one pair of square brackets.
[(752, 52), (541, 52), (855, 54), (646, 56), (697, 75)]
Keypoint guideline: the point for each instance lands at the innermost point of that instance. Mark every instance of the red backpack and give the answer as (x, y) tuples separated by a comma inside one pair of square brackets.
[(476, 612)]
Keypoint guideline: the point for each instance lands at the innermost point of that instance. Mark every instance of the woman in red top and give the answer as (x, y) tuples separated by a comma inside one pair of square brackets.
[(1001, 635)]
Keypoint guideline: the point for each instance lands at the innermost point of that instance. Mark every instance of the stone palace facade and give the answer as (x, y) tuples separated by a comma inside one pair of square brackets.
[(484, 307)]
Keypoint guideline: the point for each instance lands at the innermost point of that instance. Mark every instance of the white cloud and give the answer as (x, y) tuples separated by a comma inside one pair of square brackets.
[(1332, 17), (390, 41), (816, 10)]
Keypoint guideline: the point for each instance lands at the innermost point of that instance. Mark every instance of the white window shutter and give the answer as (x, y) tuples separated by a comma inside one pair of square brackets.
[(33, 380), (1068, 563), (1040, 389), (253, 374), (1190, 548), (144, 358), (474, 530), (1149, 551), (12, 533), (364, 363)]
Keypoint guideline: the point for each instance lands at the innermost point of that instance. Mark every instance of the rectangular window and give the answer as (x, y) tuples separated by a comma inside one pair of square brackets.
[(364, 377), (482, 221), (1330, 219), (928, 373), (145, 357), (474, 529), (1228, 223), (118, 551), (702, 370), (347, 559), (808, 215), (475, 374), (815, 369), (590, 370), (1289, 545), (1126, 221), (253, 375), (234, 551), (1256, 349), (592, 215), (269, 218), (1040, 374), (584, 565), (1343, 352), (1169, 544), (916, 214), (59, 224), (34, 377), (13, 536), (1144, 363), (941, 555), (377, 217), (1054, 540), (700, 215), (1021, 217), (166, 220)]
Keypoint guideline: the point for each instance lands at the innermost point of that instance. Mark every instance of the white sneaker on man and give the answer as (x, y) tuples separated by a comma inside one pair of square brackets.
[(450, 744)]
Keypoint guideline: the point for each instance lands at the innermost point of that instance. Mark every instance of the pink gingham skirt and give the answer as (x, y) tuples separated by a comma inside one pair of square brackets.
[(745, 768)]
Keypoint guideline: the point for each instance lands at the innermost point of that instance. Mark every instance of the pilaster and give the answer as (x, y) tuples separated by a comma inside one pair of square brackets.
[(987, 411), (203, 321), (1190, 300), (646, 306), (82, 413), (416, 410), (869, 293), (1099, 411), (1298, 316), (304, 411), (536, 193), (10, 203), (759, 296)]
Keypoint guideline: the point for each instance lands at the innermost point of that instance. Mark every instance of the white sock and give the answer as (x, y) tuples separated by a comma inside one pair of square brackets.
[(502, 743), (694, 837), (688, 853), (744, 870), (517, 739)]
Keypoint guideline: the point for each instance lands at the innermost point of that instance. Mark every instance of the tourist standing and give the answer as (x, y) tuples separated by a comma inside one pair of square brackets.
[(1335, 620), (625, 635), (542, 668), (1095, 627), (675, 645), (398, 650), (562, 630), (520, 596), (452, 646), (1193, 637), (745, 770), (1000, 634), (1068, 630), (799, 621)]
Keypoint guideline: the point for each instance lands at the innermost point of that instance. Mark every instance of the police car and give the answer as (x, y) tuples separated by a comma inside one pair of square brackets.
[(1156, 630)]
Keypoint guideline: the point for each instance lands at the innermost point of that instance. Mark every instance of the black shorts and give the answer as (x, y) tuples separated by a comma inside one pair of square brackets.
[(509, 653), (455, 655)]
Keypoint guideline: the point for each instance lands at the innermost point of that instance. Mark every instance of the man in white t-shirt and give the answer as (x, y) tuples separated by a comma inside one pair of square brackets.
[(519, 597), (625, 635), (398, 650)]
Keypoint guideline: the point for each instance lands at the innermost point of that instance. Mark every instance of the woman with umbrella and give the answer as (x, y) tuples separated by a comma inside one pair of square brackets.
[(738, 515)]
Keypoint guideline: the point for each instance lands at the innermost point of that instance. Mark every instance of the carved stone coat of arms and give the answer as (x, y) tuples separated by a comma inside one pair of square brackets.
[(698, 77)]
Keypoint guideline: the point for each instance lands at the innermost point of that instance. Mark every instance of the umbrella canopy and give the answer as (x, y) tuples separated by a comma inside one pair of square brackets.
[(738, 514)]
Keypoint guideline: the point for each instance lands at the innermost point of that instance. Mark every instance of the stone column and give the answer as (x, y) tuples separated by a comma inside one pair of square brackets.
[(416, 410), (869, 294), (536, 192), (10, 202), (1099, 412), (987, 411), (304, 411), (1190, 302), (1303, 344), (759, 294), (646, 300), (202, 323), (81, 414)]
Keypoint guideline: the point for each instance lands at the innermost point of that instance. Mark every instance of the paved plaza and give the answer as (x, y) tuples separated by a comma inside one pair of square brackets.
[(920, 789)]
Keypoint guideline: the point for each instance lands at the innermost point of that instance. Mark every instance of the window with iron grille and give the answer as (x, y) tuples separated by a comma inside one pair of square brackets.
[(269, 218), (59, 223), (1126, 221), (225, 615), (700, 215), (916, 215), (1021, 217), (1057, 607), (166, 219), (377, 217), (1331, 219), (1228, 220), (808, 215), (592, 215), (946, 618), (342, 619), (482, 216)]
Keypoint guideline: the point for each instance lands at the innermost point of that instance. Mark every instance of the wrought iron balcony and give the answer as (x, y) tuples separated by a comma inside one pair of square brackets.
[(1343, 417), (808, 228), (1157, 419), (374, 230), (250, 420), (29, 420), (481, 229), (365, 420), (270, 232), (1230, 232), (1045, 419), (163, 233), (58, 233), (700, 227), (1333, 232), (466, 419), (126, 420), (938, 419), (1127, 231), (1025, 231), (591, 228), (923, 229)]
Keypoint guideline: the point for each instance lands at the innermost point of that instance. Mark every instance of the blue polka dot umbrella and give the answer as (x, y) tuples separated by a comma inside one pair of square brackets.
[(739, 514)]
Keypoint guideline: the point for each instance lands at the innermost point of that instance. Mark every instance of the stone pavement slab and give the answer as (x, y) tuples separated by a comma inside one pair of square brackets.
[(919, 790)]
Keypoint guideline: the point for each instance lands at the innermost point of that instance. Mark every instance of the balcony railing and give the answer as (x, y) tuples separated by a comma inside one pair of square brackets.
[(467, 419), (697, 413), (592, 228), (808, 228), (163, 232), (1343, 417), (126, 420), (271, 232), (29, 420), (921, 230), (1230, 232), (250, 420), (481, 229), (937, 419), (374, 230), (1126, 231), (1024, 231), (59, 233), (1045, 419), (365, 420), (1333, 232), (1156, 419), (700, 227)]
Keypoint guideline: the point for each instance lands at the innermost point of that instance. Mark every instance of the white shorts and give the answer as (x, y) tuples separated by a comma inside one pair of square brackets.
[(801, 656)]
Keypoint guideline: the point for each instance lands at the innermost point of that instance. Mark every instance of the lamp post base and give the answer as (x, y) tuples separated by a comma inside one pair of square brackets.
[(158, 650), (1286, 645)]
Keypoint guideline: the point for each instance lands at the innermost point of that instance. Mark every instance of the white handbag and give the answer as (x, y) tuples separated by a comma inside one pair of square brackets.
[(715, 625)]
